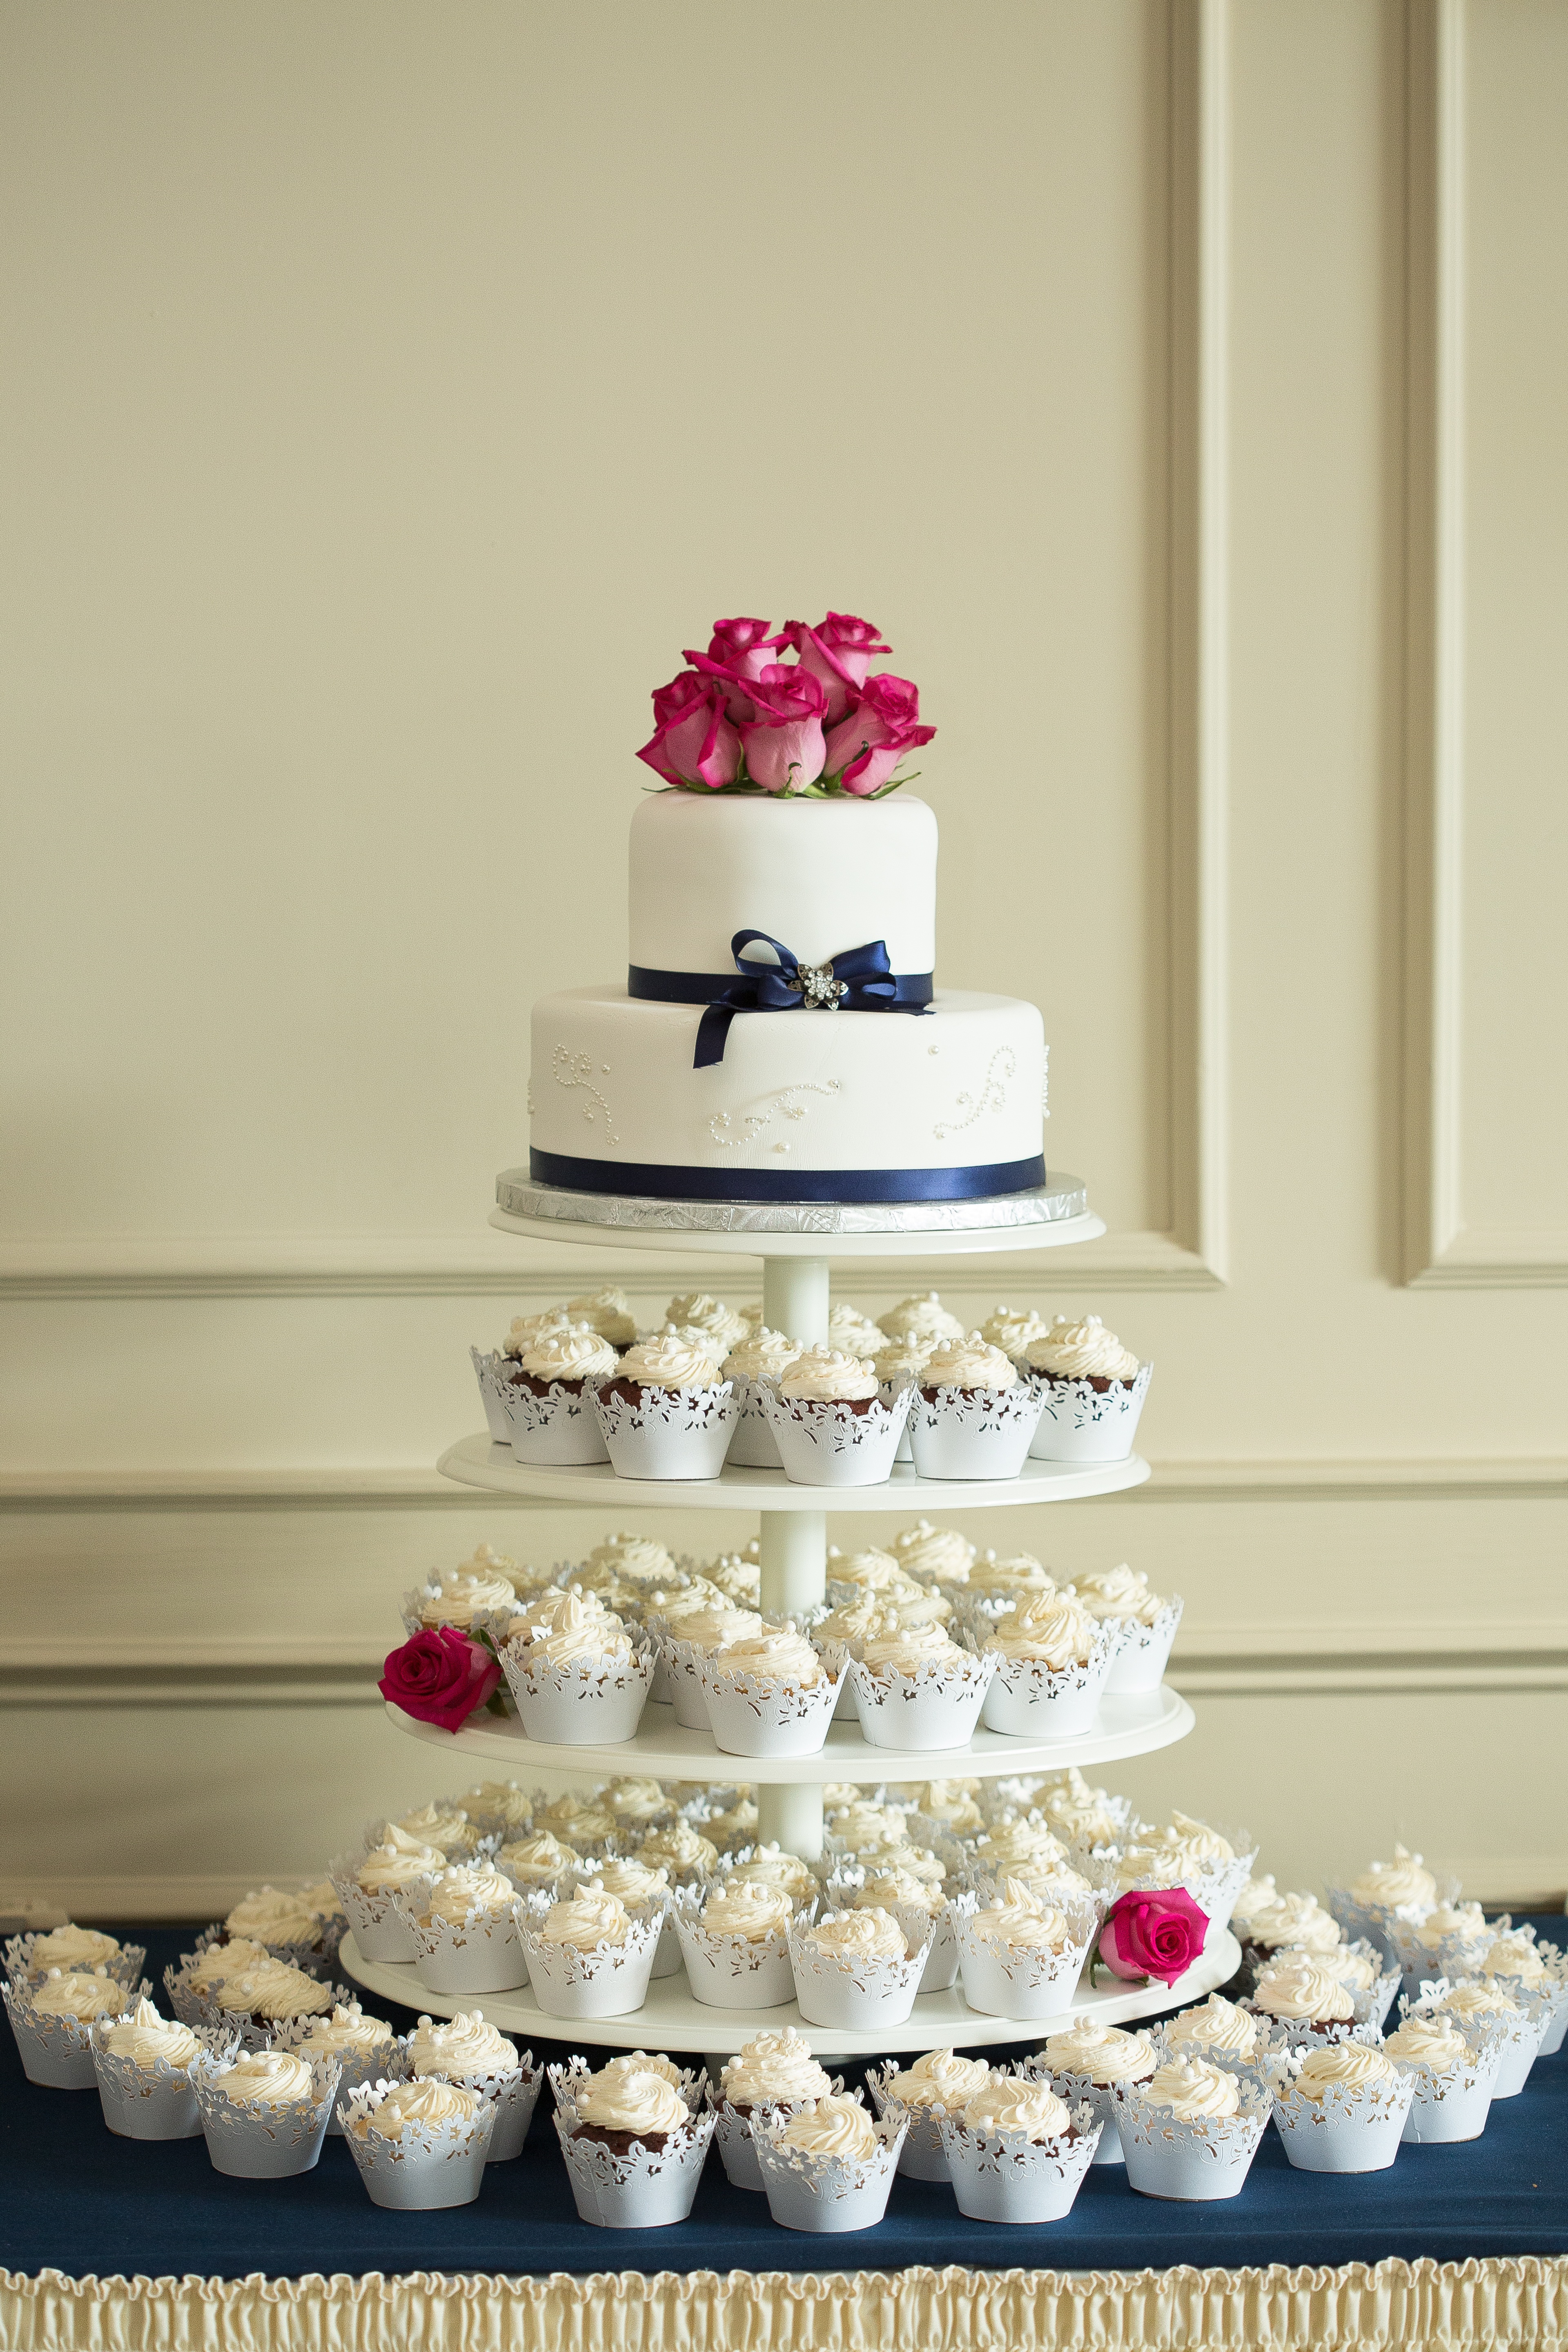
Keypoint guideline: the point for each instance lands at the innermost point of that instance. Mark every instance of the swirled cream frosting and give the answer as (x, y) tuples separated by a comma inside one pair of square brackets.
[(526, 1329), (577, 1821), (696, 1335), (771, 1865), (1295, 1988), (631, 1881), (1196, 1842), (219, 1960), (1470, 2000), (899, 1361), (535, 1860), (80, 1993), (933, 1554), (1257, 1902), (850, 1622), (668, 1362), (921, 1317), (913, 1649), (835, 2126), (1467, 1920), (144, 2037), (1020, 1840), (1013, 1329), (322, 1897), (585, 1920), (1081, 1350), (778, 1653), (677, 1848), (952, 1803), (447, 1826), (464, 1593), (941, 2079), (1517, 1956), (1354, 1971), (884, 1888), (869, 1570), (422, 2104), (852, 1333), (1394, 1886), (1344, 2066), (578, 1632), (1122, 1595), (273, 2078), (575, 1351), (1217, 2024), (473, 1888), (827, 1376), (709, 1314), (733, 1825), (1193, 2091), (1008, 1577), (642, 1560), (747, 1909), (1081, 1814), (1010, 2103), (632, 2099), (610, 1310), (760, 1356), (1054, 1631), (71, 1946), (1432, 2041), (863, 1822), (710, 1629), (466, 2045), (850, 1936), (1104, 2054), (273, 1990), (274, 1918), (1021, 1922), (773, 2069), (342, 2033), (500, 1801), (970, 1363)]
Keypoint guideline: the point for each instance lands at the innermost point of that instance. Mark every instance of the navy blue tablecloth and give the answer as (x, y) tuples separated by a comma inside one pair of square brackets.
[(75, 2198)]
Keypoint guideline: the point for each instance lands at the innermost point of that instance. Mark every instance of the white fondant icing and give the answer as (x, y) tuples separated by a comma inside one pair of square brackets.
[(860, 1090), (820, 876)]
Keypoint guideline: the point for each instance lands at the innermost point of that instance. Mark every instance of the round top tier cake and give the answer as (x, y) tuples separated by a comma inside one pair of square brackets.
[(781, 1035)]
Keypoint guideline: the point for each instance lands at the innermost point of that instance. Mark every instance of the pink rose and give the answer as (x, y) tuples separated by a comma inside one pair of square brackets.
[(693, 741), (838, 651), (738, 653), (785, 746), (441, 1677), (1153, 1933), (881, 725)]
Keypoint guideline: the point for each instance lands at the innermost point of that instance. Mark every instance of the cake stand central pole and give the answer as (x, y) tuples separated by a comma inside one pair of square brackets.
[(794, 1577), (794, 1299)]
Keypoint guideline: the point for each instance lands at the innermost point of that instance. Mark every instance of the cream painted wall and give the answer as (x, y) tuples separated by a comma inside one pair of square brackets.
[(398, 390)]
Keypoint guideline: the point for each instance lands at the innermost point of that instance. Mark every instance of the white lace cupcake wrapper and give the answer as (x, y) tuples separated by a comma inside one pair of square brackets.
[(263, 2140), (156, 2102), (125, 1966), (429, 2165), (827, 2194), (56, 2052)]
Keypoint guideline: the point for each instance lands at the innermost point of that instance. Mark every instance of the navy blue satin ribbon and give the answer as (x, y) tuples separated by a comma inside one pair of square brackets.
[(865, 981), (659, 1182)]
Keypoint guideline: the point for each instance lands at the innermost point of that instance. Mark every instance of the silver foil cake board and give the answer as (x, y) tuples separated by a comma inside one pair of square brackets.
[(1048, 1216)]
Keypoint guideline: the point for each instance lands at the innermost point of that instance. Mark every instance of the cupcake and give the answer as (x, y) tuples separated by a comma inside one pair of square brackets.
[(1191, 2131), (623, 1559), (1092, 1392), (731, 1827), (265, 1994), (850, 1333), (694, 1636), (1085, 1816), (682, 1850), (700, 1311), (581, 1683), (72, 1948), (826, 2166), (1401, 1891), (1450, 1941), (925, 1912), (940, 2080), (737, 1576), (1120, 1598), (1191, 1853), (1017, 2152), (535, 1862), (1453, 2074), (773, 1865), (951, 1805), (607, 1310), (1517, 1959), (772, 2071), (500, 1809), (830, 1423), (1015, 1329), (466, 1597), (1362, 1970), (446, 1827), (192, 1984), (933, 1555), (1220, 2031), (638, 1804), (467, 2049), (1304, 2004), (143, 2062), (863, 1822), (418, 2146), (633, 2146), (735, 1945), (1085, 2062), (1511, 2018), (588, 1955), (915, 1688), (666, 1413), (583, 1824), (264, 2114), (549, 1409), (1022, 1958), (972, 1416), (1052, 1658), (1008, 1844), (839, 1633), (1285, 1923), (640, 1889), (898, 1364), (52, 2022), (996, 1586), (759, 1357), (855, 1968), (464, 1930), (495, 1368), (769, 1694), (920, 1316), (1342, 2107), (285, 1925), (366, 2048), (871, 1571)]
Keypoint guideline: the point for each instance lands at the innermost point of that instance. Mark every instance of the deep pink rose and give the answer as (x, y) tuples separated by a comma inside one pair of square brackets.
[(881, 724), (784, 745), (441, 1677), (838, 651), (741, 646), (692, 742), (1153, 1932)]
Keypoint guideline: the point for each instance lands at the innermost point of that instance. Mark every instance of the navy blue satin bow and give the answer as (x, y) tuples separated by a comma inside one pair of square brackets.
[(858, 981)]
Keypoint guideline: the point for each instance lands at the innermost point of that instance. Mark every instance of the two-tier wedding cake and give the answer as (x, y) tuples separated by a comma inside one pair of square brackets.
[(756, 908)]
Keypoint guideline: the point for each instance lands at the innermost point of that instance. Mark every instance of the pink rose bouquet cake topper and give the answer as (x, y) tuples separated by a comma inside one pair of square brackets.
[(1153, 1933), (744, 719)]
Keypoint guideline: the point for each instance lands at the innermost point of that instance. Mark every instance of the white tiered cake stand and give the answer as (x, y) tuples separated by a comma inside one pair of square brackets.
[(797, 1247)]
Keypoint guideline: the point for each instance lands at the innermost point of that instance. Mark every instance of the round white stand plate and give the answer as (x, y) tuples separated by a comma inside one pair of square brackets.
[(1051, 1217), (669, 1750), (670, 2019), (475, 1461)]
